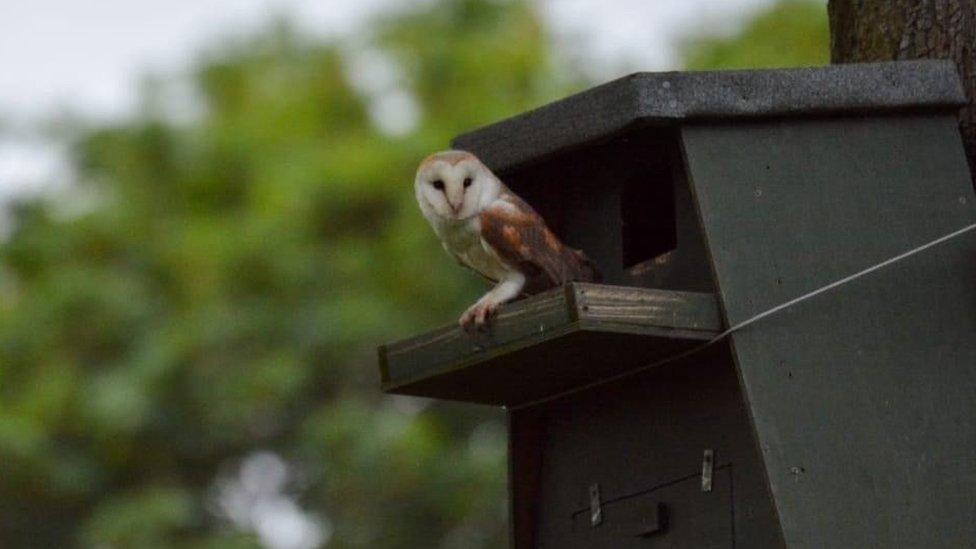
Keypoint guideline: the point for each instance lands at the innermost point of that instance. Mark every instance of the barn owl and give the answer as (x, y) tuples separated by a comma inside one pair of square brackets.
[(489, 229)]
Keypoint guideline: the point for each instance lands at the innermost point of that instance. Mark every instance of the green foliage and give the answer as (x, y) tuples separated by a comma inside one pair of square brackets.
[(227, 289), (791, 33), (223, 286)]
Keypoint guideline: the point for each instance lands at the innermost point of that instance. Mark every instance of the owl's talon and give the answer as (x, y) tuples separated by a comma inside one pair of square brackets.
[(478, 316), (467, 319), (483, 317)]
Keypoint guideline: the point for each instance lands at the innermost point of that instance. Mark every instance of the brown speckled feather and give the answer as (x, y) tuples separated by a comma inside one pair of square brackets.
[(520, 238)]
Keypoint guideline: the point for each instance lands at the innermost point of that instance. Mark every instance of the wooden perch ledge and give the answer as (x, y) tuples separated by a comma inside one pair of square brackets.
[(548, 343)]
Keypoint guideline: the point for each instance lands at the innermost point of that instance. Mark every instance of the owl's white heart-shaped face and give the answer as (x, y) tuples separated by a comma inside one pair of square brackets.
[(454, 185)]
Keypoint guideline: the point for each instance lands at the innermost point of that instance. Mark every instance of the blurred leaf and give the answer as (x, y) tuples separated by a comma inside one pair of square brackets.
[(791, 33)]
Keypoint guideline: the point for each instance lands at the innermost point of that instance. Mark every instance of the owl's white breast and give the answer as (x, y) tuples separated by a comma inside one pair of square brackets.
[(463, 239)]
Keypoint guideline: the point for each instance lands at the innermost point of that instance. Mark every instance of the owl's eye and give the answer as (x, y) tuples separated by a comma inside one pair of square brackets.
[(438, 184), (467, 182)]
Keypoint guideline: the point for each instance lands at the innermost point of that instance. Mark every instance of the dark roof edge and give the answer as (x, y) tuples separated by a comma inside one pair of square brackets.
[(670, 98), (862, 87)]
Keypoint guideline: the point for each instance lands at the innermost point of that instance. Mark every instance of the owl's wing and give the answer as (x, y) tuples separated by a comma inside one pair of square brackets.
[(520, 238)]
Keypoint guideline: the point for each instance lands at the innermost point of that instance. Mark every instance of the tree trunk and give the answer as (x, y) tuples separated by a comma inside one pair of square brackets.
[(886, 30)]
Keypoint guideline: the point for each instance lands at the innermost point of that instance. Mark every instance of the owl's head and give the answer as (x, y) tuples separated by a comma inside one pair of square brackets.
[(454, 185)]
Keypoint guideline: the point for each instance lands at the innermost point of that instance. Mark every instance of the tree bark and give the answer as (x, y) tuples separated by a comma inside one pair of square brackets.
[(887, 30)]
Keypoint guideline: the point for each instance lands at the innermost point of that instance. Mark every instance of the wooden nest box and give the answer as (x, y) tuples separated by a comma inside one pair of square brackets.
[(848, 420)]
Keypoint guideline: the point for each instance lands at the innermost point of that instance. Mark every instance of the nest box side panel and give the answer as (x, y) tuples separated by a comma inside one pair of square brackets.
[(863, 399)]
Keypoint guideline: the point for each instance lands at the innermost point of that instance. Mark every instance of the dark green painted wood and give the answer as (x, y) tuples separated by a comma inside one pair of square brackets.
[(526, 431), (863, 399), (549, 343), (522, 324), (642, 439)]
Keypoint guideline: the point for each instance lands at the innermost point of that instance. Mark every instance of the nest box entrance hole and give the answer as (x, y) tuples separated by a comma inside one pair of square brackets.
[(648, 228), (627, 204)]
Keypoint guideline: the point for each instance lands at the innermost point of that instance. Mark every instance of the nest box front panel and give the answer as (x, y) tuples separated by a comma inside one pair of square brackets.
[(664, 459), (864, 397)]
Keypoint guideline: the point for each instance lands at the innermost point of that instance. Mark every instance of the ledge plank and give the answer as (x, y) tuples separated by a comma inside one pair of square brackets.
[(549, 343)]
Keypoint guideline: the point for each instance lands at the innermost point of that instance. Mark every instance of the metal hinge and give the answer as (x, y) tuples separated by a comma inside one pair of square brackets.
[(708, 464), (596, 510)]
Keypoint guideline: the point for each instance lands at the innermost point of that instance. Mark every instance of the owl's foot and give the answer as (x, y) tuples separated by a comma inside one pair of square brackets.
[(478, 315)]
